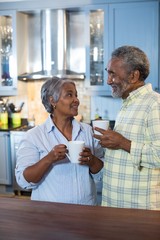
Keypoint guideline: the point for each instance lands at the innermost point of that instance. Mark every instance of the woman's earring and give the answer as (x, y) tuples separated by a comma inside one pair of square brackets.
[(54, 106)]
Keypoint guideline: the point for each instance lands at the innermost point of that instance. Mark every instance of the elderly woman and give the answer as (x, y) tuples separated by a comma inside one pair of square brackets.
[(42, 163)]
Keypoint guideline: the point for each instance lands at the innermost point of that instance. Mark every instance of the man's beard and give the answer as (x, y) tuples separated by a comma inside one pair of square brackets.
[(118, 91)]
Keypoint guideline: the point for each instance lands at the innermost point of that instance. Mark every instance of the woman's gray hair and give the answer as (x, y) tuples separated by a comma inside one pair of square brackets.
[(133, 59), (52, 88)]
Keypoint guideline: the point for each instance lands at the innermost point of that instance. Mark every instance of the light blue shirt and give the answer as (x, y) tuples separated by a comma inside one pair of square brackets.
[(64, 182)]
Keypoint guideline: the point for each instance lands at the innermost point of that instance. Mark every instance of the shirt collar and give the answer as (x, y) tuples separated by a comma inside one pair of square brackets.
[(138, 92), (49, 124), (77, 126)]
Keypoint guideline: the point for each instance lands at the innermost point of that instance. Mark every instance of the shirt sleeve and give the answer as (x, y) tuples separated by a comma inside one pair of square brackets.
[(27, 155), (147, 154), (99, 152)]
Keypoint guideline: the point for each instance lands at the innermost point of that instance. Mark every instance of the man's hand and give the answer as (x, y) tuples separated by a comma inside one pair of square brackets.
[(112, 140)]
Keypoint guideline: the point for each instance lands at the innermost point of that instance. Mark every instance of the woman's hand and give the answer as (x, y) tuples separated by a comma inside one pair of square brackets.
[(87, 158), (58, 152)]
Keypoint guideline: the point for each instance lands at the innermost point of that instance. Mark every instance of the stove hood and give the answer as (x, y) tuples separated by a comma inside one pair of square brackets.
[(62, 48), (44, 74)]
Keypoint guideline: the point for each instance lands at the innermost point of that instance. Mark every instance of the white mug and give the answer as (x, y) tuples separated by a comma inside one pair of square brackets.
[(104, 124), (74, 149)]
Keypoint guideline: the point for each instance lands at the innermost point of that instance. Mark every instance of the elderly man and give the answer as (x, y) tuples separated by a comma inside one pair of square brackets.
[(132, 160)]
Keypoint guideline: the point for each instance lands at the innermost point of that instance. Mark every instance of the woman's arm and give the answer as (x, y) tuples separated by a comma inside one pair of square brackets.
[(36, 172), (95, 164)]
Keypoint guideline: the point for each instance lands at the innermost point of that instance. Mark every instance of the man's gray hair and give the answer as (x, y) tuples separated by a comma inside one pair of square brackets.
[(52, 88), (134, 59)]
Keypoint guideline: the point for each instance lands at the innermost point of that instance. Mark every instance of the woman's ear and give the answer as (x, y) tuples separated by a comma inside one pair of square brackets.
[(51, 100)]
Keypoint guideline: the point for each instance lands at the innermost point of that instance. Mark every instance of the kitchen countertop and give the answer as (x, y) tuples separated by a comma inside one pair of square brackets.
[(11, 127), (26, 219)]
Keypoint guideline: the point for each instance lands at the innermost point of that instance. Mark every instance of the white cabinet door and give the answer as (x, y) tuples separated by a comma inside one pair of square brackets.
[(5, 158), (136, 24), (96, 49), (8, 60)]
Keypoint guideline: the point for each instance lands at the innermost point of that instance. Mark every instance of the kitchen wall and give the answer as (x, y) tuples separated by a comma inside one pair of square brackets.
[(29, 92)]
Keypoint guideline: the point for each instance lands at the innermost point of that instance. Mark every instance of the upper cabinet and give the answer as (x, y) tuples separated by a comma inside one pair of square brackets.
[(113, 25), (8, 63), (136, 24), (44, 43), (96, 49)]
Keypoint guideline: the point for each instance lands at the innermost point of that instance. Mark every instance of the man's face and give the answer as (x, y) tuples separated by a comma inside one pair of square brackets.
[(118, 79)]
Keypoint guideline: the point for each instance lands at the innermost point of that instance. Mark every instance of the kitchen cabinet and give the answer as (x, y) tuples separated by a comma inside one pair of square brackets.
[(136, 24), (5, 158), (107, 26), (112, 25), (8, 63), (15, 138), (96, 49)]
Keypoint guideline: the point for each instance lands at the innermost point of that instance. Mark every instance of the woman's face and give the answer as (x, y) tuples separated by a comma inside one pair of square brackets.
[(68, 102)]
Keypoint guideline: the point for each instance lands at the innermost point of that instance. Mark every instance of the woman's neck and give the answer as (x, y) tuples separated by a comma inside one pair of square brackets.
[(64, 126)]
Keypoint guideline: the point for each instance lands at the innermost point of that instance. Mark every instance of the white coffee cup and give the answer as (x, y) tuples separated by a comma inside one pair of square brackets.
[(74, 149), (104, 124)]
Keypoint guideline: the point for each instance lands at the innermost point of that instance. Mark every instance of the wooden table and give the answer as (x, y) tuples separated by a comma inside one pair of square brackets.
[(24, 219)]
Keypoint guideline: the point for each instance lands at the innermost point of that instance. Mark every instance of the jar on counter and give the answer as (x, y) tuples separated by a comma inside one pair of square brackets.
[(4, 118), (3, 114), (16, 119)]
